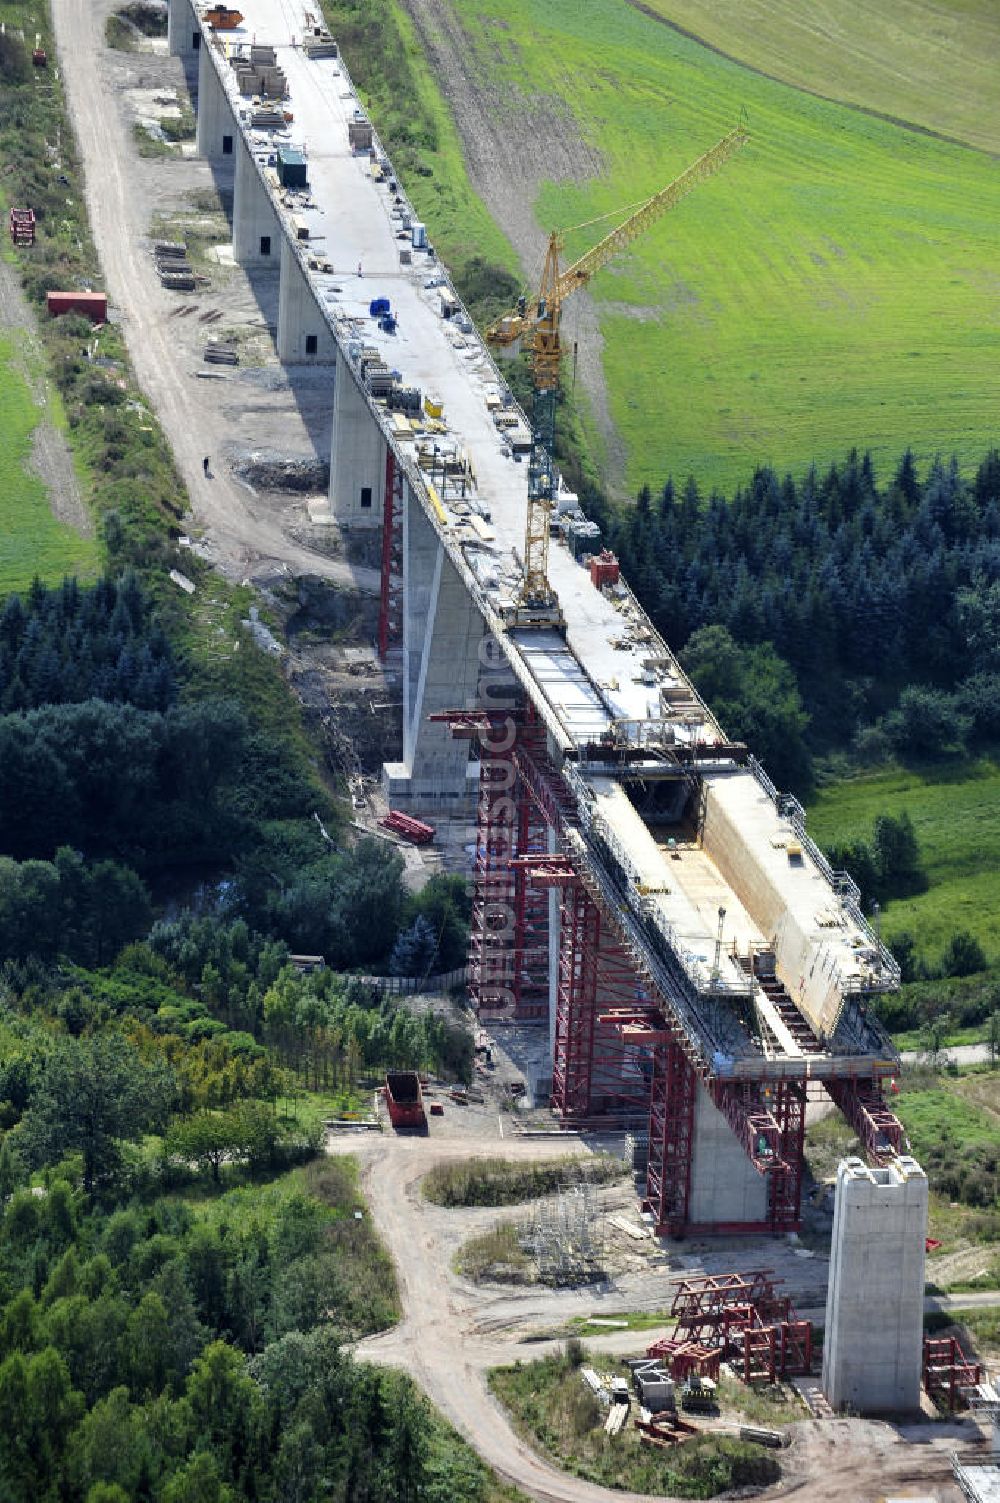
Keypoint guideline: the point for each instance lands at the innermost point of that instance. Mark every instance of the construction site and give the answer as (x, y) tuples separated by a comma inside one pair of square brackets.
[(663, 957)]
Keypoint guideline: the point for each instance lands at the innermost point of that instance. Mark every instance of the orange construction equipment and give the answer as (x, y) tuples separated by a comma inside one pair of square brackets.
[(221, 18)]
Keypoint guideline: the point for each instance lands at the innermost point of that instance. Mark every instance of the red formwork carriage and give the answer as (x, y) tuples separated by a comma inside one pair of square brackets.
[(621, 1049)]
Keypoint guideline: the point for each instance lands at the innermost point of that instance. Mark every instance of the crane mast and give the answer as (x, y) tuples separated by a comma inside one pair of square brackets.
[(535, 324)]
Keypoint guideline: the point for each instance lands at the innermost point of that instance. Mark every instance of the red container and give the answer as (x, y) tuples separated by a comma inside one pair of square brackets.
[(404, 1099), (93, 305), (604, 568)]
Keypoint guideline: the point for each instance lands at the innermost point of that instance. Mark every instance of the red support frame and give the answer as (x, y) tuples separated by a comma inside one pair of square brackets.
[(390, 615), (949, 1375), (596, 1071), (576, 1003), (491, 953), (862, 1103), (785, 1185), (671, 1137)]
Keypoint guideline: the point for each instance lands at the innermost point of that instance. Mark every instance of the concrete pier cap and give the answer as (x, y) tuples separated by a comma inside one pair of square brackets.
[(873, 1346)]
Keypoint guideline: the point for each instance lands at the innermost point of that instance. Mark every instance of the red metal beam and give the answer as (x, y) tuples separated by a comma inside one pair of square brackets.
[(862, 1103), (745, 1108)]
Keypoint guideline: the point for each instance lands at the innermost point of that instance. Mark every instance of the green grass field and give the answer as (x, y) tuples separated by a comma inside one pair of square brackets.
[(933, 62), (954, 814), (836, 284), (32, 541)]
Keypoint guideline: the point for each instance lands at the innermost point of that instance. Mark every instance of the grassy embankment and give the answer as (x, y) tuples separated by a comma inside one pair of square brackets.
[(834, 286), (953, 809), (952, 1121), (553, 1409), (503, 1182), (932, 62), (33, 540)]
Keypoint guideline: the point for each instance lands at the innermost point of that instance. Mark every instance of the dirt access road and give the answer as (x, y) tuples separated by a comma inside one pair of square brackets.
[(242, 535), (452, 1332)]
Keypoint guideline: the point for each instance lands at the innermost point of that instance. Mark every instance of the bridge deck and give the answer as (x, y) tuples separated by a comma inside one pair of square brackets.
[(350, 220), (611, 666)]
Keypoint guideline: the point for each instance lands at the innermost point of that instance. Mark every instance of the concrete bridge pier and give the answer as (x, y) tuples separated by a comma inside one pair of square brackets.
[(726, 1189), (304, 335), (217, 131), (357, 455), (257, 235), (442, 639), (183, 34)]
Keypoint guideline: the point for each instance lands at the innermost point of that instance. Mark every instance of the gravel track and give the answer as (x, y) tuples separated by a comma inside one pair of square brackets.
[(242, 536), (451, 1333)]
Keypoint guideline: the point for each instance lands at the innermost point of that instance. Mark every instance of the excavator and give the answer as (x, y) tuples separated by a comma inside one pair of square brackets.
[(534, 326)]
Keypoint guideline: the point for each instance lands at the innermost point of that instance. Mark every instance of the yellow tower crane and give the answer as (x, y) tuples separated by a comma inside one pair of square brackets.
[(534, 325)]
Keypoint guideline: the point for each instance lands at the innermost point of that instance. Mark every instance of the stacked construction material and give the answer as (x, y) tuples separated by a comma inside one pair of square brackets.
[(221, 352), (173, 266), (740, 1318), (258, 75)]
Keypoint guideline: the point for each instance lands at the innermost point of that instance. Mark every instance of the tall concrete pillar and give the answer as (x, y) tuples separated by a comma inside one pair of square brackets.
[(726, 1189), (442, 633), (304, 336), (257, 233), (357, 453), (183, 31), (873, 1343), (217, 132)]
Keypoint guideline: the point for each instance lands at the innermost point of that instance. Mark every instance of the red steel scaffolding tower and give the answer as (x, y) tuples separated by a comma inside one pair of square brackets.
[(390, 615)]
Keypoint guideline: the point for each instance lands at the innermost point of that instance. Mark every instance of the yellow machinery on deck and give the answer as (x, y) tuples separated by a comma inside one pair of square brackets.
[(534, 326)]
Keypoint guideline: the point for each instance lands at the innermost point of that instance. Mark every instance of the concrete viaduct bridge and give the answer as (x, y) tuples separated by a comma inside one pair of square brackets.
[(641, 887)]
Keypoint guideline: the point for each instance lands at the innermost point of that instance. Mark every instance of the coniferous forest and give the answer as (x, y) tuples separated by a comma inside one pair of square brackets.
[(835, 612)]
